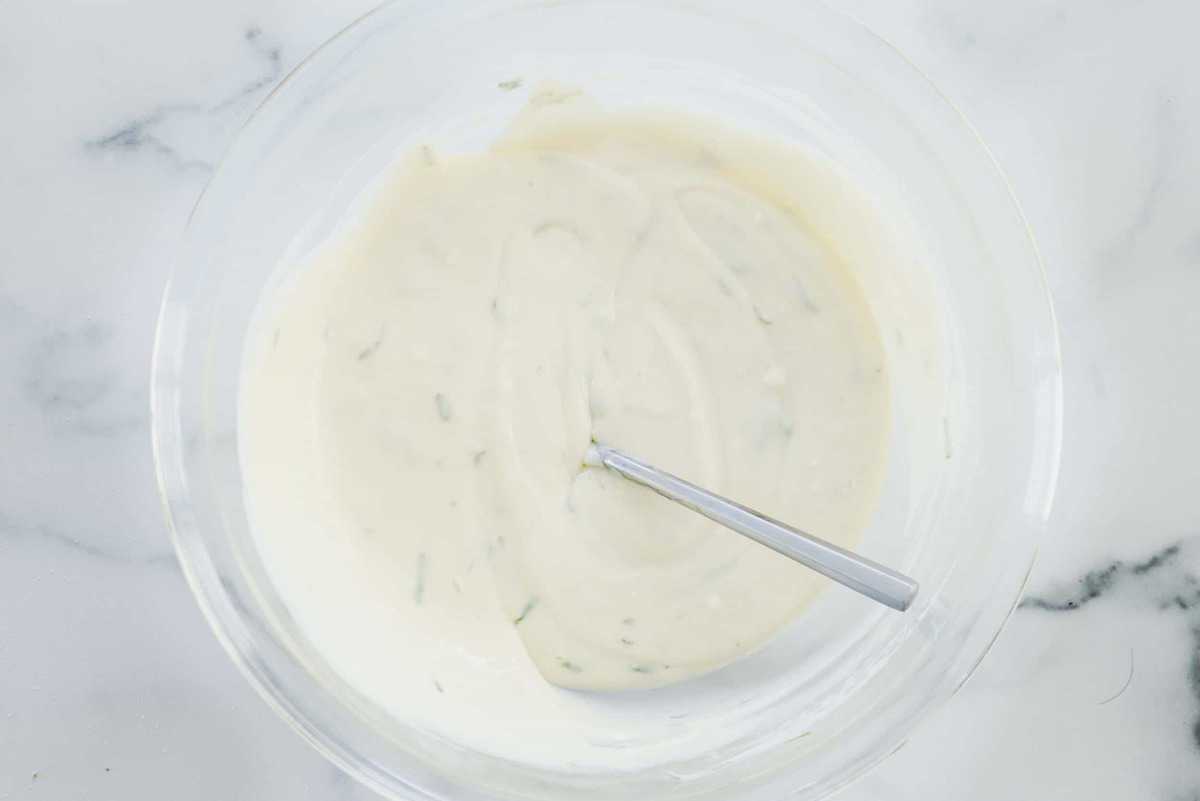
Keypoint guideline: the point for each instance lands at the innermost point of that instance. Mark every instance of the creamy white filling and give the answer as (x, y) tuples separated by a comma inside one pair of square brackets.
[(417, 408)]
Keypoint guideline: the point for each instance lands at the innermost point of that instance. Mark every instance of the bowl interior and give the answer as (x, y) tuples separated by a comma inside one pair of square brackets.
[(969, 333)]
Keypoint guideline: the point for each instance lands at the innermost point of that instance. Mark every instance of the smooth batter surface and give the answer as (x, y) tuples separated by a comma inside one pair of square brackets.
[(418, 403)]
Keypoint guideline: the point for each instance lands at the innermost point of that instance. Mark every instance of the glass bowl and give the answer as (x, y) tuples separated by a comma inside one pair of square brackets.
[(963, 309)]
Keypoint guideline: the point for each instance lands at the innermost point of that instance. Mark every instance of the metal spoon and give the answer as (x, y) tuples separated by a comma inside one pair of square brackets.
[(860, 574)]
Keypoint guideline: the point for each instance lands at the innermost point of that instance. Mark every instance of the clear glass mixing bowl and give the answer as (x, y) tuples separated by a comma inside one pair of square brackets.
[(963, 308)]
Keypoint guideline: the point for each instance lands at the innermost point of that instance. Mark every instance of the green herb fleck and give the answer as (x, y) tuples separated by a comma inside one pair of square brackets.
[(369, 350), (567, 664), (529, 606), (626, 641), (642, 668), (478, 457), (443, 407), (510, 85), (419, 589)]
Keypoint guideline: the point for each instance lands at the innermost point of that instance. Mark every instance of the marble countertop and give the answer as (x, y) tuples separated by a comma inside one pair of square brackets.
[(113, 114)]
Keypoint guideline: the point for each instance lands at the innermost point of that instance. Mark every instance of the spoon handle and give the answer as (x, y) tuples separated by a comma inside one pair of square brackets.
[(851, 570)]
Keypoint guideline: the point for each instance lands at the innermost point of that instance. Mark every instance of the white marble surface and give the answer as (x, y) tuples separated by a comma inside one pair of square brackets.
[(112, 113)]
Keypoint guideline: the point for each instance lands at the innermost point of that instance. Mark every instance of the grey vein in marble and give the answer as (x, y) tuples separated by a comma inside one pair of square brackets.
[(1100, 581), (1161, 168), (1164, 578), (151, 132), (140, 135), (71, 377), (271, 54), (12, 529)]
